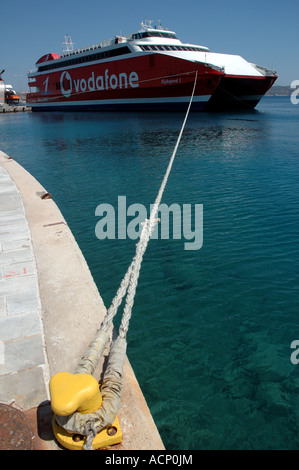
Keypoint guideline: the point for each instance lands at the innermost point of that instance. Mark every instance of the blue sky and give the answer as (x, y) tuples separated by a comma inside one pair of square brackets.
[(262, 31)]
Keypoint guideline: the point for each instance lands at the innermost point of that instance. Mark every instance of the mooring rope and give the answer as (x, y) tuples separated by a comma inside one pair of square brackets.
[(146, 233), (112, 382)]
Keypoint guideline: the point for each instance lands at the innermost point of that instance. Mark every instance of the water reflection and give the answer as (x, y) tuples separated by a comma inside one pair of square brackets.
[(146, 134)]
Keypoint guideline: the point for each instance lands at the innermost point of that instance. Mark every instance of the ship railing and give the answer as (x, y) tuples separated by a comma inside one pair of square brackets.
[(89, 48), (106, 43), (264, 71)]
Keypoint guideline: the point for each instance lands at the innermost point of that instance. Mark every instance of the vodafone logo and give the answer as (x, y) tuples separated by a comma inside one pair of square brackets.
[(68, 86), (65, 76)]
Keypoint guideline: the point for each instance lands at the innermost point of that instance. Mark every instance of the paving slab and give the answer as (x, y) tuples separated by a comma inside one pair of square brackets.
[(23, 364)]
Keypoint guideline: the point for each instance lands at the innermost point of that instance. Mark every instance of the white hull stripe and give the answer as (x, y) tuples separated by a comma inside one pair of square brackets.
[(175, 99)]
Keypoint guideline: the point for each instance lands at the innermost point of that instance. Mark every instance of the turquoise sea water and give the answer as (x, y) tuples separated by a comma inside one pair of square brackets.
[(210, 334)]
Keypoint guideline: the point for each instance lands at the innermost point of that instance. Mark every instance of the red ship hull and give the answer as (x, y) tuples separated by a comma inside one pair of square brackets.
[(148, 70), (236, 93), (143, 82)]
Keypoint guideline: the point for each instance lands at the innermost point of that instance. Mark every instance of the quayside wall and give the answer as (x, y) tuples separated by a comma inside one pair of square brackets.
[(65, 311)]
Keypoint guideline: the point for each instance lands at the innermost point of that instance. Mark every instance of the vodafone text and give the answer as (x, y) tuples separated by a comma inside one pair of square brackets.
[(68, 85)]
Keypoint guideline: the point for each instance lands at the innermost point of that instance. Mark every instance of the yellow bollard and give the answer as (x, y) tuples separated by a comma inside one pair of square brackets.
[(79, 392)]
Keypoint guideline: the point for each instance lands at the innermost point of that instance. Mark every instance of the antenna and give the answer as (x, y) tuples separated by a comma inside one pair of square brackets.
[(146, 24), (69, 45)]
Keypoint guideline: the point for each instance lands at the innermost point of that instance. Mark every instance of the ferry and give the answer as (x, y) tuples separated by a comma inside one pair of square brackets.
[(150, 69), (7, 94)]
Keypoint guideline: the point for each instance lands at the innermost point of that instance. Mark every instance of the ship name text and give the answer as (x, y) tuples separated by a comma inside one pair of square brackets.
[(68, 85)]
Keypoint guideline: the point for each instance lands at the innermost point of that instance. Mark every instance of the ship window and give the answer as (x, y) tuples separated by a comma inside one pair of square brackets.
[(152, 34), (88, 58), (161, 35), (173, 48)]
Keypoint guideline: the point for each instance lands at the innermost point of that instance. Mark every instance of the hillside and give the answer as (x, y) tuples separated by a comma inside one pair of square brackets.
[(278, 90)]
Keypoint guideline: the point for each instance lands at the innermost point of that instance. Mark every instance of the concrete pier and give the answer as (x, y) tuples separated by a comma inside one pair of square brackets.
[(21, 108), (50, 309)]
